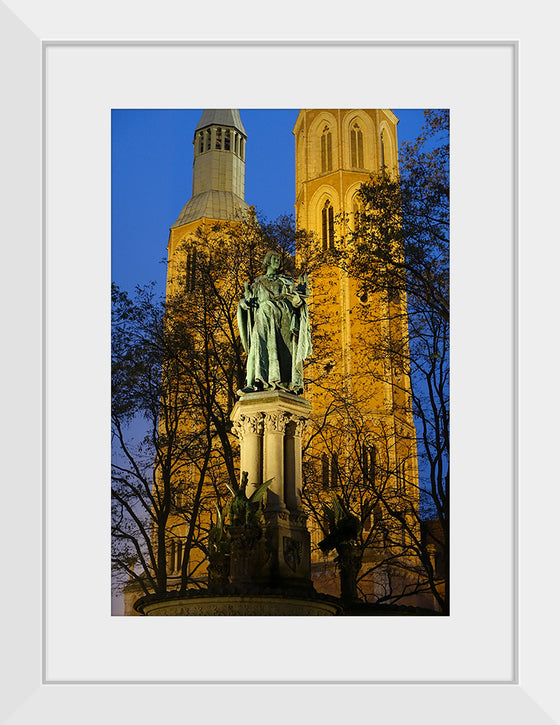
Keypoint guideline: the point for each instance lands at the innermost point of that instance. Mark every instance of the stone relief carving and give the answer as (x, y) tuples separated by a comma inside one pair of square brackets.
[(298, 519), (276, 422), (253, 424), (248, 425), (276, 515), (301, 425), (237, 429), (292, 552)]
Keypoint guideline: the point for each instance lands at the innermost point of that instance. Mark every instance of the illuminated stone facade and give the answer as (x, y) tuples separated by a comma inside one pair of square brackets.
[(362, 424), (361, 399)]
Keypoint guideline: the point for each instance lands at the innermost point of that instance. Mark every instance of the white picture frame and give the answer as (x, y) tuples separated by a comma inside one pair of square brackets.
[(524, 693)]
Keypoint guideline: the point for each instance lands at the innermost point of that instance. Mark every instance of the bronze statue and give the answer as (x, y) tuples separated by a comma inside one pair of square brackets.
[(218, 542), (344, 527), (273, 322), (245, 510)]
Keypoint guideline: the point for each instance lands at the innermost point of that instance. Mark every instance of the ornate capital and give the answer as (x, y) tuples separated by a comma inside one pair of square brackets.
[(237, 429), (253, 423), (248, 425), (276, 422), (301, 425)]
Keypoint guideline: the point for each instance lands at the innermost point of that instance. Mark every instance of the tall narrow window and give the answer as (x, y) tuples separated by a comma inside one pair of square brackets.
[(382, 151), (369, 464), (401, 477), (372, 471), (172, 556), (326, 150), (242, 148), (357, 146), (179, 556), (329, 470), (327, 219), (190, 275), (201, 142), (334, 470), (208, 140), (219, 138), (227, 140), (325, 470)]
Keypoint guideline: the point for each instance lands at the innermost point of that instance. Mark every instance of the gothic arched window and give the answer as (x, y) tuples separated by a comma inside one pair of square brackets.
[(172, 555), (329, 470), (326, 150), (325, 470), (219, 138), (201, 142), (227, 140), (208, 140), (401, 477), (357, 146), (327, 226), (369, 464)]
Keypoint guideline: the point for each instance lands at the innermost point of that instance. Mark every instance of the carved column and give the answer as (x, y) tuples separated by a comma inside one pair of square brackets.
[(270, 426), (293, 479), (249, 430), (273, 447)]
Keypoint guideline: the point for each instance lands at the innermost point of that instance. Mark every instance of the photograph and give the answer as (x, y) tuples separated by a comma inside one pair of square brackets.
[(280, 340)]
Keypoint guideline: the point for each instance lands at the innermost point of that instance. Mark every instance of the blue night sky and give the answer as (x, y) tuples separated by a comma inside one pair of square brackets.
[(152, 156)]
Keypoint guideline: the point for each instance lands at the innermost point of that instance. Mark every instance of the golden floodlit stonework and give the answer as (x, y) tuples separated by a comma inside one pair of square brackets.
[(354, 422)]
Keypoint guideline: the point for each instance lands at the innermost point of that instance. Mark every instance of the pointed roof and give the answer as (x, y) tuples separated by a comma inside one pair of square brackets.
[(221, 117), (222, 205)]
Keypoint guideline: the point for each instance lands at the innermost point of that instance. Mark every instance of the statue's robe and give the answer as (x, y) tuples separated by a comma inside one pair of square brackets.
[(275, 333)]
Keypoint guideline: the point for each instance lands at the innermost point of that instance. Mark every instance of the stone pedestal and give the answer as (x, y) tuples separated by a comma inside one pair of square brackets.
[(269, 425), (350, 561), (253, 605), (244, 555)]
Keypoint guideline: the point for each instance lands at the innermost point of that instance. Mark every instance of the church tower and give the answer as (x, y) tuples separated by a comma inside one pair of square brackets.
[(336, 152), (218, 187), (363, 392), (217, 204)]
